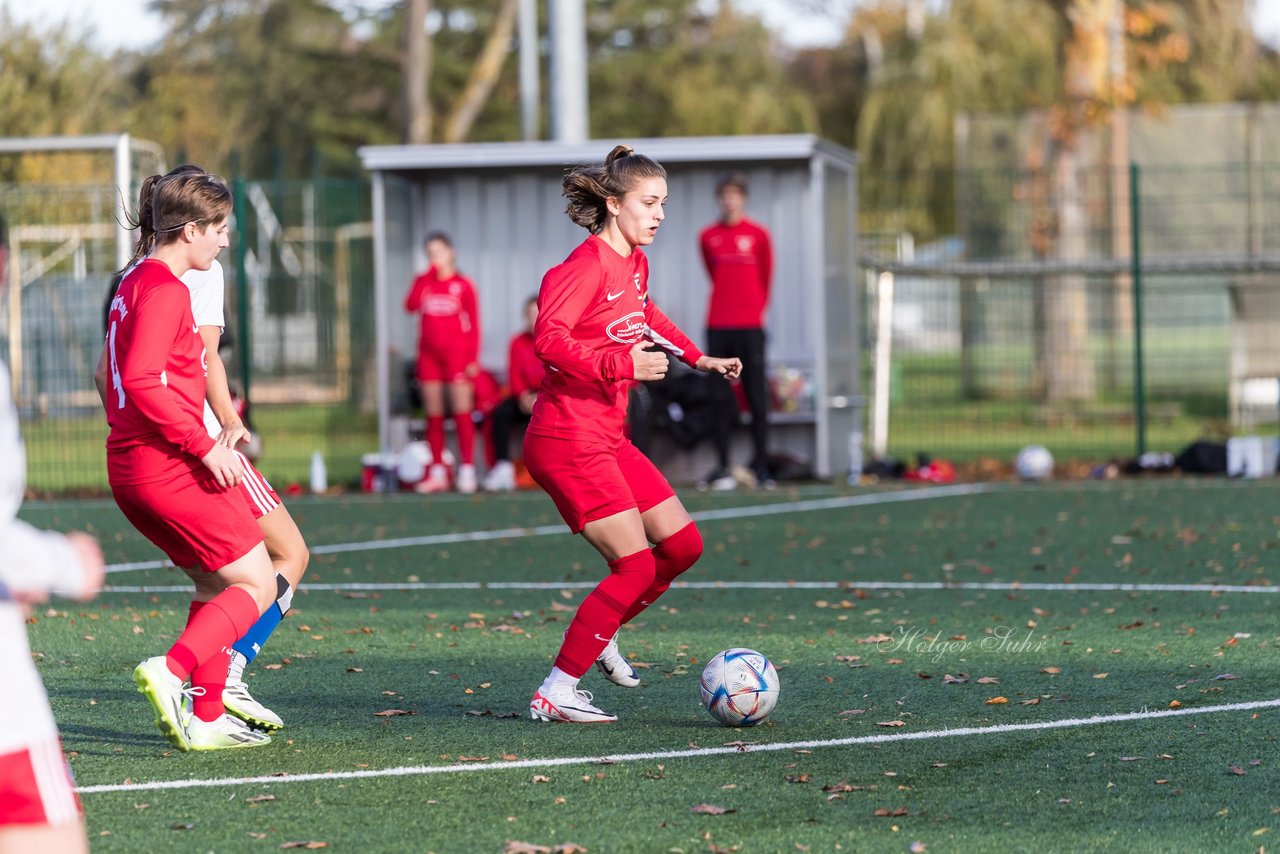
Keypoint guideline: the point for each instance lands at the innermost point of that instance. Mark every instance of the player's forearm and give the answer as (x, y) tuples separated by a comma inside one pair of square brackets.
[(100, 374), (35, 561)]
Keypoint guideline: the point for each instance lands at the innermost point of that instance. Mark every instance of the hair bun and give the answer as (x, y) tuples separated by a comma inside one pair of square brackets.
[(619, 152)]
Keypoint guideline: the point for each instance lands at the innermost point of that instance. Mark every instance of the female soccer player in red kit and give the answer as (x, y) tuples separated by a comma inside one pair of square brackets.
[(171, 479), (448, 347), (595, 326)]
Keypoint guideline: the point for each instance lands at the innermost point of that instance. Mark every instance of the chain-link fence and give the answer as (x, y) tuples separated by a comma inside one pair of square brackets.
[(299, 295), (1030, 323), (1099, 312)]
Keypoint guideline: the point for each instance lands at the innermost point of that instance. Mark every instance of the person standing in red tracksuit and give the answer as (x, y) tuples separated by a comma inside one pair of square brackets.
[(738, 256), (524, 375), (596, 325), (448, 349), (171, 479)]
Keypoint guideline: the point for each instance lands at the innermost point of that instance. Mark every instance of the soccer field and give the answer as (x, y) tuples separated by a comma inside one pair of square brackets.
[(966, 668)]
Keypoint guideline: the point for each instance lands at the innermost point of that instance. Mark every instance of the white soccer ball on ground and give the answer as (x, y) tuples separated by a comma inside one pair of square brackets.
[(739, 687), (1034, 462)]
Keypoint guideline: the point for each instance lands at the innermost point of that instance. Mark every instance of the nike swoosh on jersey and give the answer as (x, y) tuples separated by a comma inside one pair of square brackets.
[(612, 297)]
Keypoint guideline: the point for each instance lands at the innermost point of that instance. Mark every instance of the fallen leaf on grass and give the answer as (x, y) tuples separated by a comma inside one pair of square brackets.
[(948, 679), (541, 778), (988, 680), (1130, 758), (473, 758), (1225, 677), (1236, 770), (1034, 701), (311, 845), (885, 812), (1175, 704), (853, 712), (354, 670), (797, 778), (1051, 670), (391, 713), (1101, 675), (182, 827), (997, 701), (741, 746), (709, 809), (891, 723), (257, 799)]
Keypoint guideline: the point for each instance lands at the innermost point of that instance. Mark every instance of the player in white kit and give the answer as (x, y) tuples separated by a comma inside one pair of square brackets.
[(39, 810)]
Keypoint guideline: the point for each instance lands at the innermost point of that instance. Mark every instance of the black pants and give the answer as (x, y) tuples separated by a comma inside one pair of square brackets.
[(747, 345), (505, 416)]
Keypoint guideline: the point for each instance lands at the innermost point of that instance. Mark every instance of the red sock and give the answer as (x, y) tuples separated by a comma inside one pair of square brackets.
[(213, 628), (671, 557), (212, 677), (601, 612), (466, 428), (435, 438)]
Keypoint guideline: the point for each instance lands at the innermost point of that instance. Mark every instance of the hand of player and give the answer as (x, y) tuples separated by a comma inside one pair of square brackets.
[(234, 433), (472, 370), (730, 368), (91, 564), (224, 464), (648, 365), (526, 401)]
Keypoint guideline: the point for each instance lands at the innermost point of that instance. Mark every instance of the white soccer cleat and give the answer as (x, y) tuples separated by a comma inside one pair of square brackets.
[(466, 481), (168, 696), (564, 704), (239, 703), (223, 733), (615, 667), (437, 481), (500, 478)]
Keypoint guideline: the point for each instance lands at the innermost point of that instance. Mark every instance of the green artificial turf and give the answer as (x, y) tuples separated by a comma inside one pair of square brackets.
[(855, 661)]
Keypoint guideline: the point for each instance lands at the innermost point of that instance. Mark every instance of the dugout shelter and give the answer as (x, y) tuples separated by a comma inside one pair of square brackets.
[(501, 204)]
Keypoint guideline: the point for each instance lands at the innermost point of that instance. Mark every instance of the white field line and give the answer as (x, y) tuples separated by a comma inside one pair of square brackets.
[(752, 511), (667, 755), (1081, 586)]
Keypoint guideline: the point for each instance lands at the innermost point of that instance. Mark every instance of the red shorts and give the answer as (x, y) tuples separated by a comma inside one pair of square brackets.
[(191, 519), (590, 481), (258, 494), (442, 367), (36, 787)]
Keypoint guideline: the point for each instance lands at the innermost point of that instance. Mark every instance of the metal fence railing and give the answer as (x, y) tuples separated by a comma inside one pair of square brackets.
[(1102, 316), (1124, 311)]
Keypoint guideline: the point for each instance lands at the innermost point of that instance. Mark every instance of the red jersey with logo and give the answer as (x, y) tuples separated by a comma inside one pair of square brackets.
[(592, 309), (739, 260), (524, 369), (155, 403), (447, 307)]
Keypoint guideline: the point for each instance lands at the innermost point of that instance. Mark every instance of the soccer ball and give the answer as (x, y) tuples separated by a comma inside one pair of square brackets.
[(739, 687), (1034, 462)]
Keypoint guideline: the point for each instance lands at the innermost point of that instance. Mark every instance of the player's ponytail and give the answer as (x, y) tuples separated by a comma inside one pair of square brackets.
[(168, 202), (588, 187), (143, 222)]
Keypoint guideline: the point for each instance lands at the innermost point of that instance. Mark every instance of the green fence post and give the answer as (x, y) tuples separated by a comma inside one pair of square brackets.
[(242, 283), (1135, 271)]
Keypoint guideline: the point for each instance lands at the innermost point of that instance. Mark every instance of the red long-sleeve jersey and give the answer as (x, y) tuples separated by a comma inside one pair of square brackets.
[(155, 405), (449, 322), (524, 369), (739, 260), (592, 309)]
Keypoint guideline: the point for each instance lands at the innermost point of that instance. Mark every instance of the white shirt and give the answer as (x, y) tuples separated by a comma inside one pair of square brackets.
[(30, 560)]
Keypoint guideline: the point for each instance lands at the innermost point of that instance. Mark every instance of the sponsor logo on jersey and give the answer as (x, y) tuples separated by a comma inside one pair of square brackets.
[(627, 329), (745, 243), (612, 297)]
